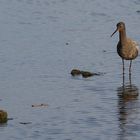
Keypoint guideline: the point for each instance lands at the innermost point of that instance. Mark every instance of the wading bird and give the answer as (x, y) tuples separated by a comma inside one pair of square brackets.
[(127, 48)]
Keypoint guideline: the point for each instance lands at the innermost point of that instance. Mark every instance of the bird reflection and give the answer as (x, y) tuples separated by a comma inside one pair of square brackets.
[(127, 91), (127, 107)]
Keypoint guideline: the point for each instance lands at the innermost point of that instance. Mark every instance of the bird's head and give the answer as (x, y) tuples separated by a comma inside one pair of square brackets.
[(120, 27)]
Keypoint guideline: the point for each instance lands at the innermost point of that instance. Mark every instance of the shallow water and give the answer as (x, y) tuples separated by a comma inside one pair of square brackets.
[(41, 41)]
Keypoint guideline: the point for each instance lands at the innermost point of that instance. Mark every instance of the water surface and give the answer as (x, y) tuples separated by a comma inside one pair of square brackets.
[(41, 41)]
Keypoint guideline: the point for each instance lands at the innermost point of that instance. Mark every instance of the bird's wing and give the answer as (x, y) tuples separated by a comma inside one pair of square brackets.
[(134, 43)]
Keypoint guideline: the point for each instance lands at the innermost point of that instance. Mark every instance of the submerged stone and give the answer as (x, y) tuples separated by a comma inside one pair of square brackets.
[(75, 72), (86, 74), (3, 116)]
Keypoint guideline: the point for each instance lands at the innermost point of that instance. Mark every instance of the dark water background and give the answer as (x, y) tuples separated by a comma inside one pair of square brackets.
[(41, 41)]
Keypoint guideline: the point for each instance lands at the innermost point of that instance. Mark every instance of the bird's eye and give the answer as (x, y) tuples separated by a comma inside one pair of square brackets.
[(121, 26)]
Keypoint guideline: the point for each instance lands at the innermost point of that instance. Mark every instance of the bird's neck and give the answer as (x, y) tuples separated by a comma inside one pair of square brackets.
[(122, 37)]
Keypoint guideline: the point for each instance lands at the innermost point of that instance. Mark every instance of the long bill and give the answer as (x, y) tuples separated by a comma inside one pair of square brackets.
[(114, 32)]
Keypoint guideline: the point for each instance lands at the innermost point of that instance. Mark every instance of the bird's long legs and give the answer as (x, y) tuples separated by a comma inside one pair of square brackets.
[(123, 65), (129, 66), (129, 71), (123, 72)]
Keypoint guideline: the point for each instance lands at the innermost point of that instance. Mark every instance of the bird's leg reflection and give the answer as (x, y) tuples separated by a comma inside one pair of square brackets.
[(130, 77), (130, 83), (127, 106)]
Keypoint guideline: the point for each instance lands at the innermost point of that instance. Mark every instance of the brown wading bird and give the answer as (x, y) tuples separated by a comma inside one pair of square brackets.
[(126, 47)]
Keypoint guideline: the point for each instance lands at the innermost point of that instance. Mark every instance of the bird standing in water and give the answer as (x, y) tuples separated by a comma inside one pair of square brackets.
[(127, 48)]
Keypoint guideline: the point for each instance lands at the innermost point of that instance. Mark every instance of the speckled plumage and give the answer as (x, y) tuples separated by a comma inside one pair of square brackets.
[(129, 50)]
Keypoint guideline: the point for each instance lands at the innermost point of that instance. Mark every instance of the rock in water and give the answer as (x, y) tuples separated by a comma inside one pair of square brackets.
[(3, 116), (86, 74), (75, 72)]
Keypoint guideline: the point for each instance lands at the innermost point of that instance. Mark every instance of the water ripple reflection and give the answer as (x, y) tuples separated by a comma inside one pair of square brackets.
[(128, 105)]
